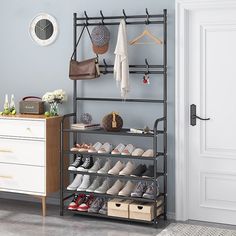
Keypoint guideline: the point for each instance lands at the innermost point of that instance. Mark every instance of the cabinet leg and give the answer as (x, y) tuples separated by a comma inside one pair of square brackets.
[(44, 206)]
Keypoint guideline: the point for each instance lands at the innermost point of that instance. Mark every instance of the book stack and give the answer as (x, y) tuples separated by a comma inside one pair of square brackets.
[(83, 126)]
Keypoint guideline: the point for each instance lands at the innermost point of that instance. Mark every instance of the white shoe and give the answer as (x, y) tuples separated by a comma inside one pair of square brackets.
[(118, 149), (148, 153), (76, 182), (105, 168), (104, 187), (97, 165), (105, 148), (95, 147), (127, 190), (96, 183), (114, 190), (138, 152), (85, 183), (116, 168), (129, 168), (128, 150)]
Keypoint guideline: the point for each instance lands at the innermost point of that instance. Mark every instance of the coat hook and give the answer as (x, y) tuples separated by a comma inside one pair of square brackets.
[(102, 16), (105, 65), (86, 16), (125, 16), (147, 66), (147, 20)]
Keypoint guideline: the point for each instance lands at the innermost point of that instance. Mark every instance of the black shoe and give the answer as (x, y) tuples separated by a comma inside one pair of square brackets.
[(78, 162), (139, 171), (149, 172), (88, 163)]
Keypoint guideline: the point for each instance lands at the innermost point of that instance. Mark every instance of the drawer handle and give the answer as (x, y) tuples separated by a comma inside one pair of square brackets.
[(5, 177), (6, 150), (118, 204), (140, 207), (28, 129)]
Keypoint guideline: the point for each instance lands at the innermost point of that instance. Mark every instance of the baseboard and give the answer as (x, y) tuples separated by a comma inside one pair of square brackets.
[(171, 215)]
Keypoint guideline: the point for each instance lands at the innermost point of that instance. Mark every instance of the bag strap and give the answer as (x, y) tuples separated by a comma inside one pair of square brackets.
[(26, 98), (80, 36)]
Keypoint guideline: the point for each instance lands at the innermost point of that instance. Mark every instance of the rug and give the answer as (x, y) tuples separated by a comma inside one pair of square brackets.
[(195, 230)]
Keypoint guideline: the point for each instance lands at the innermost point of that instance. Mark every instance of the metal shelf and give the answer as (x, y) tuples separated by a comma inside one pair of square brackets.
[(123, 132), (118, 176), (101, 155), (111, 196)]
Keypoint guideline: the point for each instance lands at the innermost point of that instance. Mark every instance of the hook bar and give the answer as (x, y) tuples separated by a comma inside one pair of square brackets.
[(125, 16), (105, 65), (86, 17), (148, 16), (147, 66)]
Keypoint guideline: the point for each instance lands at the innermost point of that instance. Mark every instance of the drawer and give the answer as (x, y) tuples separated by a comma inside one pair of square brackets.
[(20, 178), (118, 208), (22, 128), (24, 152)]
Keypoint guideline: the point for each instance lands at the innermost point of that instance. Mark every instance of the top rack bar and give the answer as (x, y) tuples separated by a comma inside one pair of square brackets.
[(147, 19)]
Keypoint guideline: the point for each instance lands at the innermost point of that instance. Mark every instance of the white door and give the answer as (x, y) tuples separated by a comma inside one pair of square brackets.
[(212, 88)]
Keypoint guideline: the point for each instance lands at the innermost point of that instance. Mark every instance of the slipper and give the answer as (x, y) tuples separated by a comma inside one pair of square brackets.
[(137, 152), (118, 149), (128, 150), (148, 153), (95, 147), (105, 148), (83, 147)]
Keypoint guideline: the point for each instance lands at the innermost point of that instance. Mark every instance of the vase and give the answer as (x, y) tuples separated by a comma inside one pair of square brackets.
[(54, 109)]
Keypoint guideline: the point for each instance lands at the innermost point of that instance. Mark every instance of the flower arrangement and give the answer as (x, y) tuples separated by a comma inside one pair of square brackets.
[(54, 99)]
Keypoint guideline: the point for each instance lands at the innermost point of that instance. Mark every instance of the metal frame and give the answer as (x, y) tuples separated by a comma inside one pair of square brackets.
[(155, 69)]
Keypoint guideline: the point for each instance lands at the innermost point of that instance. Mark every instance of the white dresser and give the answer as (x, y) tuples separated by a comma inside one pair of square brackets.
[(30, 155)]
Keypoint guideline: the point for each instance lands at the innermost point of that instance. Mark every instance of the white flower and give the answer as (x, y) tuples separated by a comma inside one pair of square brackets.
[(57, 96), (48, 97)]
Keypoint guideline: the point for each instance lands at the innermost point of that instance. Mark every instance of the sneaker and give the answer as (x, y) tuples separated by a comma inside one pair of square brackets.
[(150, 191), (76, 182), (129, 168), (105, 148), (83, 147), (137, 152), (85, 183), (96, 166), (128, 150), (103, 210), (114, 190), (86, 204), (139, 190), (116, 168), (118, 149), (95, 148), (96, 205), (128, 188), (105, 168), (96, 183), (104, 187), (148, 153), (78, 162), (88, 163), (78, 199), (139, 171), (149, 173)]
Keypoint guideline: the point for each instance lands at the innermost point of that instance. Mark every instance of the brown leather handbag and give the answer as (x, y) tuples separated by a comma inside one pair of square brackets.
[(84, 70), (112, 122)]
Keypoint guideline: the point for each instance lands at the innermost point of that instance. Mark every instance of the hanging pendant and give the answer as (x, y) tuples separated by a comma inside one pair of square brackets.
[(146, 79)]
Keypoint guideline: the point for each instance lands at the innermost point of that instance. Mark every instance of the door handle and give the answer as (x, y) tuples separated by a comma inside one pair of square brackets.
[(194, 117)]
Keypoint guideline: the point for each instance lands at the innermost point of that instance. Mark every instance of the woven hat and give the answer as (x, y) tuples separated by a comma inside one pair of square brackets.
[(100, 38)]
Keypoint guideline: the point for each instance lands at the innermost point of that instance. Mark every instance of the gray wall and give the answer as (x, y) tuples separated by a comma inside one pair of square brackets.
[(28, 69)]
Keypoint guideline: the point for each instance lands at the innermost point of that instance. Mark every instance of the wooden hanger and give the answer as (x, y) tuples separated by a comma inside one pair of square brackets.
[(145, 33)]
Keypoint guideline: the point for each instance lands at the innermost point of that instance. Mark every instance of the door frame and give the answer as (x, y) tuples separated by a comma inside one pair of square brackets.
[(183, 7)]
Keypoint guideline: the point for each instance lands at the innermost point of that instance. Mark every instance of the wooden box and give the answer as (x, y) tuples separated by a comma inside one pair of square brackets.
[(119, 208), (144, 211)]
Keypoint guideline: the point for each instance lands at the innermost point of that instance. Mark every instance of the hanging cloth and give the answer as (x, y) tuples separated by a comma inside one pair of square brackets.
[(121, 64)]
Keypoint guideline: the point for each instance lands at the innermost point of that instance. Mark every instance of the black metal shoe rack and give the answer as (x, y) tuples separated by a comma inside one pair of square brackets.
[(160, 19)]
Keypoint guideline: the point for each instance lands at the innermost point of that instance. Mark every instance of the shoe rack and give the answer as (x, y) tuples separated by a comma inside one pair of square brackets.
[(158, 133)]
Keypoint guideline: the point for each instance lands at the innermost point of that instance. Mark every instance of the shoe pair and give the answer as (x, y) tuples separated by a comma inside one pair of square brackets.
[(100, 148), (144, 190), (99, 205), (80, 165), (121, 189), (84, 147), (81, 202), (80, 183), (99, 186), (143, 171)]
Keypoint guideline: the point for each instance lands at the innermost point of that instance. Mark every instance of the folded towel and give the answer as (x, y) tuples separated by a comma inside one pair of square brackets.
[(121, 64)]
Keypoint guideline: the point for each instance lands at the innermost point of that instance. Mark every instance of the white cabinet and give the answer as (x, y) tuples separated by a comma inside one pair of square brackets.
[(30, 155)]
